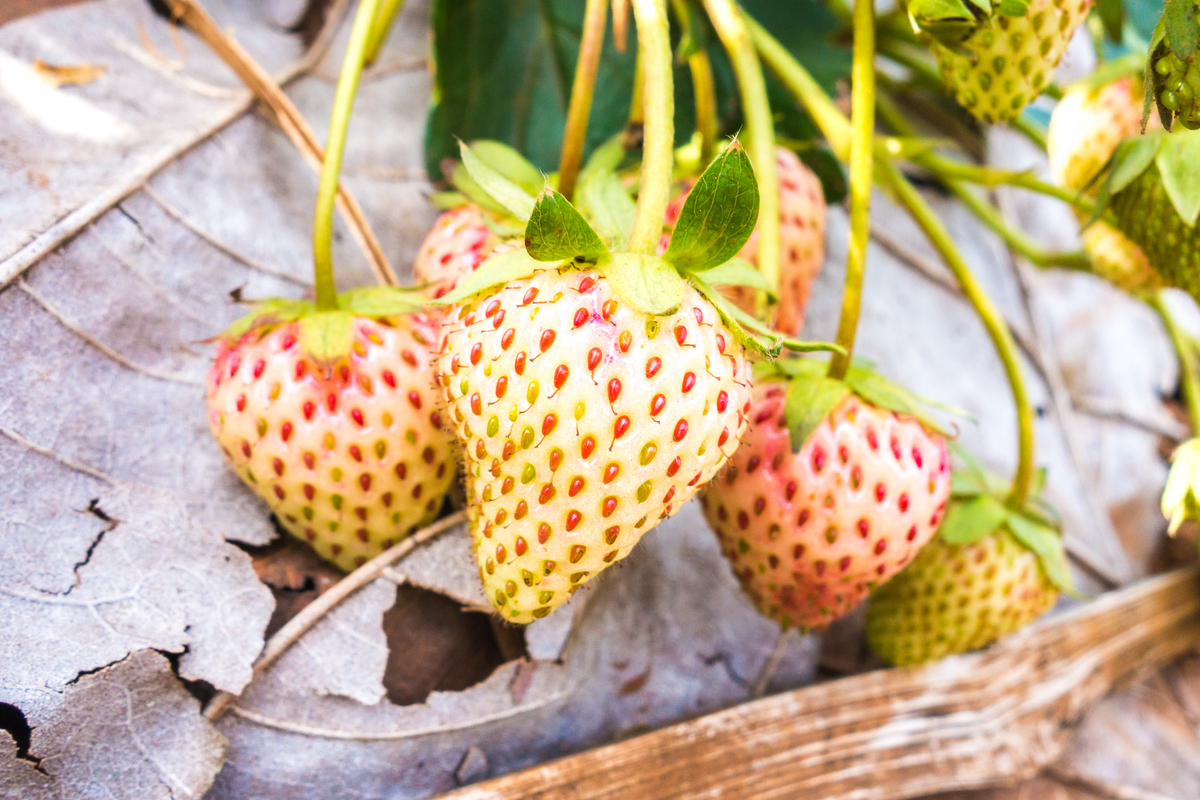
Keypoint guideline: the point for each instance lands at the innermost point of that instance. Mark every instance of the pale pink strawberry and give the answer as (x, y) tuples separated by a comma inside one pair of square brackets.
[(457, 244), (1086, 127), (583, 422), (811, 533), (351, 460), (802, 216)]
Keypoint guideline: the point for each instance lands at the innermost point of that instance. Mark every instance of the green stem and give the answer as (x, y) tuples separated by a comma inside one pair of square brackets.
[(703, 87), (1031, 131), (591, 42), (1189, 377), (948, 168), (862, 167), (1016, 239), (728, 20), (343, 102), (807, 91), (380, 27), (997, 330), (658, 143)]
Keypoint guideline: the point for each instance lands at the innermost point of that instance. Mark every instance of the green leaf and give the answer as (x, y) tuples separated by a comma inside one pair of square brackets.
[(648, 283), (557, 232), (739, 272), (504, 268), (748, 330), (1013, 8), (1178, 163), (381, 301), (810, 398), (1046, 544), (718, 216), (508, 194), (1131, 158), (509, 163), (1112, 15), (267, 313), (327, 335), (605, 201), (879, 391), (971, 520), (967, 483), (1179, 20), (948, 21)]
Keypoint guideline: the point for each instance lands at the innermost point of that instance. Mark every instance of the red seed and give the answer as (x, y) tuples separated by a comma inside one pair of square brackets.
[(529, 296), (285, 432), (401, 471), (818, 460), (543, 533), (547, 494), (278, 466), (916, 454), (581, 316), (587, 283), (722, 401), (560, 375), (624, 341), (760, 505), (587, 446), (259, 366), (476, 353), (408, 357), (608, 507), (309, 491), (621, 427), (576, 486), (594, 356), (803, 518), (546, 340), (723, 438), (689, 381), (674, 466), (681, 429), (896, 449), (435, 419), (864, 528), (299, 370), (355, 453), (608, 309), (288, 341), (331, 402), (476, 404), (790, 490), (548, 424), (280, 493), (428, 455), (753, 464), (652, 366), (657, 404), (573, 518), (506, 339), (880, 546), (501, 553), (245, 448), (356, 415), (519, 363), (743, 520), (880, 492), (501, 386), (520, 546), (364, 481), (390, 379), (903, 503), (614, 390), (309, 460), (499, 320), (680, 334), (720, 343), (912, 533), (241, 402)]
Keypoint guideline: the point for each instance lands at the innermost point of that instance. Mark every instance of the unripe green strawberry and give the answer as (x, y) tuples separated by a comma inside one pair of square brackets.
[(1118, 260), (802, 216), (582, 423), (1147, 216), (1178, 82), (954, 598), (351, 457), (1007, 61), (457, 244), (811, 533)]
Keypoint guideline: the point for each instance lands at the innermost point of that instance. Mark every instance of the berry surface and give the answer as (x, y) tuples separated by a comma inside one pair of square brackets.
[(458, 243)]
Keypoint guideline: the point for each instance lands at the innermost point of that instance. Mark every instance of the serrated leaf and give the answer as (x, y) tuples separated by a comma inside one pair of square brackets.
[(327, 335), (381, 301), (504, 268), (971, 520), (508, 194), (604, 200), (1046, 544), (1178, 163), (809, 401), (1179, 22), (648, 283), (267, 312), (718, 216), (557, 232), (739, 272)]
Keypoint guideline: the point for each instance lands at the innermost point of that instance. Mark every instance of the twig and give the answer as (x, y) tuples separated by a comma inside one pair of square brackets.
[(1104, 408), (293, 124), (296, 627), (1104, 789), (48, 453), (771, 664)]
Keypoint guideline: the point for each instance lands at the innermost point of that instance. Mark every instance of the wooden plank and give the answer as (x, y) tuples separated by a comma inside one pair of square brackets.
[(972, 721)]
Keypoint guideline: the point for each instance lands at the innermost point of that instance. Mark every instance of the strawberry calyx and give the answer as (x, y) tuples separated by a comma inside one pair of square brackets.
[(1175, 155), (978, 508), (717, 218), (326, 335), (950, 22), (812, 395)]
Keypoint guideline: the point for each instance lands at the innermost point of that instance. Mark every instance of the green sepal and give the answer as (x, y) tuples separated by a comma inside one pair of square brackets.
[(1112, 17), (1179, 27), (557, 232), (649, 284), (512, 197), (974, 478), (327, 335), (1178, 162), (1013, 8), (1046, 543), (503, 268), (510, 163), (738, 271), (882, 393), (605, 202), (1131, 158), (972, 519), (267, 313), (444, 201), (718, 216), (948, 21), (381, 301), (810, 399), (746, 329)]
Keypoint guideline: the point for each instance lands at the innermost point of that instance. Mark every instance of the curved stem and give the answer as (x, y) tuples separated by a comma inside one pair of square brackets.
[(1031, 131), (343, 102), (989, 215), (1189, 375), (997, 330), (591, 42), (951, 168), (658, 143), (703, 87), (729, 22), (380, 27), (862, 162)]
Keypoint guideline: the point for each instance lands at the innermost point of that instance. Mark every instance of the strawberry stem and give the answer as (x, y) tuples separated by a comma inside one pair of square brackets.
[(380, 27), (862, 167), (343, 102), (835, 128), (703, 87), (1189, 376), (730, 25), (997, 330), (658, 143), (591, 42)]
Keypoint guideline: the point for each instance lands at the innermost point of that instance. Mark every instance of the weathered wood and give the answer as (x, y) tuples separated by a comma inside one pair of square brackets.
[(971, 721)]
